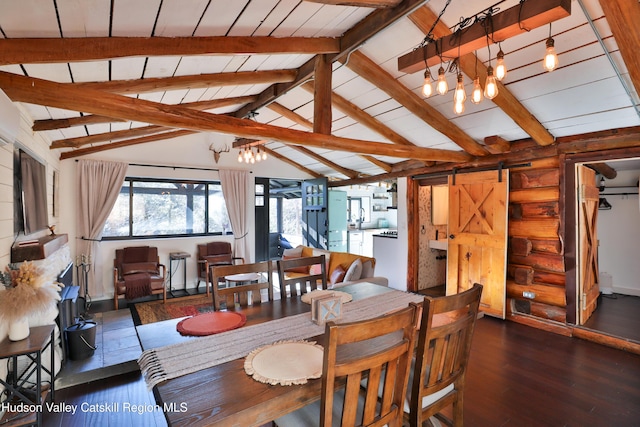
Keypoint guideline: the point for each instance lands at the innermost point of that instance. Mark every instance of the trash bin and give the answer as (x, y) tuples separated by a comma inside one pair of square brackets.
[(81, 340)]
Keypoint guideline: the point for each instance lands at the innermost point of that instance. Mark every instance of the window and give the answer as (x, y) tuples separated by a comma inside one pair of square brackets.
[(154, 207)]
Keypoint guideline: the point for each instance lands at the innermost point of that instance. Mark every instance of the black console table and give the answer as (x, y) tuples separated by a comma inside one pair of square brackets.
[(17, 389)]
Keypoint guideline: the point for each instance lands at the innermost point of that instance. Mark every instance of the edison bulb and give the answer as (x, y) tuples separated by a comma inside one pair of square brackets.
[(490, 85), (501, 68), (550, 57), (459, 95), (476, 94), (442, 87), (427, 89)]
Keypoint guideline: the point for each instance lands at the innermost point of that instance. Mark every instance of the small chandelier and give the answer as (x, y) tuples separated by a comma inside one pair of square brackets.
[(247, 155)]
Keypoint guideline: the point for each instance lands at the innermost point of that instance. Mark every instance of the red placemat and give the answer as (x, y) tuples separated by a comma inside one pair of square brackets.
[(211, 323)]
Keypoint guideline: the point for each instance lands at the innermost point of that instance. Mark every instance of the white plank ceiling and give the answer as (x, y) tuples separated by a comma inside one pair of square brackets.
[(585, 94)]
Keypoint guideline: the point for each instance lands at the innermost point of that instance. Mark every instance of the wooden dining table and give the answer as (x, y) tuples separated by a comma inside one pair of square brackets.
[(224, 395)]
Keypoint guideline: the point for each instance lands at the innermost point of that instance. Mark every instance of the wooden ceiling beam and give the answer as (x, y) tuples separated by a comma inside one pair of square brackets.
[(424, 18), (378, 4), (106, 136), (369, 70), (349, 173), (53, 124), (297, 118), (623, 17), (514, 21), (61, 50), (604, 170), (285, 159), (322, 113), (40, 125), (60, 95), (349, 42), (162, 84), (127, 143), (497, 144), (355, 112)]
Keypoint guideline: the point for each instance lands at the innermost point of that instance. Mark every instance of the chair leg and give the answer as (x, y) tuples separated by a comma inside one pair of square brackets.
[(115, 301)]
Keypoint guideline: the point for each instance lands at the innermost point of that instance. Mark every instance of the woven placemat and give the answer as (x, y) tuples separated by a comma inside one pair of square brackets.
[(285, 362)]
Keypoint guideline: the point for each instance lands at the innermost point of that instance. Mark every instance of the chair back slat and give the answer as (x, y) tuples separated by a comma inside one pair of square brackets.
[(444, 346), (377, 349), (295, 282), (241, 294)]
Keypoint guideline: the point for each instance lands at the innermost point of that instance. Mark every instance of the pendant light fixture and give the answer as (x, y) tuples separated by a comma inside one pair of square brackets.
[(501, 68), (427, 89), (550, 62), (490, 85), (442, 87), (459, 96)]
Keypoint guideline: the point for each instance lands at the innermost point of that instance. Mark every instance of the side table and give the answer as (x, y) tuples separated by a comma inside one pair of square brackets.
[(16, 386), (178, 256)]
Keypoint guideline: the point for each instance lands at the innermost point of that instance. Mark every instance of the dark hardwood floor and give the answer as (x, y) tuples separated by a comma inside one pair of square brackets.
[(617, 315), (518, 376)]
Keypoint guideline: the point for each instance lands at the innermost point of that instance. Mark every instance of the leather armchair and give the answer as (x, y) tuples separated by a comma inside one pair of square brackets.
[(142, 264), (212, 254)]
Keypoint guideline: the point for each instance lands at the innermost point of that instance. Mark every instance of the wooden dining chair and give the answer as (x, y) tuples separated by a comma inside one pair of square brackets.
[(301, 275), (379, 349), (238, 291), (444, 345)]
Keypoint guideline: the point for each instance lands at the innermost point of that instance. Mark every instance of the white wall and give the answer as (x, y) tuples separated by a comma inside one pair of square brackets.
[(619, 235), (190, 151)]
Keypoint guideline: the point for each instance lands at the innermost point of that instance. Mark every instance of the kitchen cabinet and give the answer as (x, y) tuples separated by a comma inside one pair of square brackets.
[(356, 241)]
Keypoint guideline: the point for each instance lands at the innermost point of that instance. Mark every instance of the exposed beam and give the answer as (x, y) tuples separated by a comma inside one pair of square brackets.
[(322, 118), (516, 20), (162, 84), (277, 155), (424, 18), (40, 125), (52, 124), (59, 50), (623, 17), (120, 144), (497, 144), (614, 140), (106, 136), (355, 112), (350, 41), (66, 96), (361, 3), (372, 72), (604, 170), (297, 118), (349, 173), (291, 115)]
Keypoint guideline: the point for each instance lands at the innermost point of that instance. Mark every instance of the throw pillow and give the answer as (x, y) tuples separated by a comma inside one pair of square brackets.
[(367, 269), (354, 271), (315, 270), (337, 275), (293, 253), (304, 269)]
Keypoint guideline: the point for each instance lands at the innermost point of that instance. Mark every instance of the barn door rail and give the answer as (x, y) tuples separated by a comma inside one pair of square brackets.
[(499, 167)]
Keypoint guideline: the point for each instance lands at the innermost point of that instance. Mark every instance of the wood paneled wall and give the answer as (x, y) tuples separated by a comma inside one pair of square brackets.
[(536, 268)]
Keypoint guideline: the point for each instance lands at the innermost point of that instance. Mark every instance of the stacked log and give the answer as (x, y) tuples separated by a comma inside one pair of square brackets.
[(536, 269)]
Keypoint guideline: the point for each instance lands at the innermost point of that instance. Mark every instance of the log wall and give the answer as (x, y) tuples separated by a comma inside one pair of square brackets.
[(535, 255)]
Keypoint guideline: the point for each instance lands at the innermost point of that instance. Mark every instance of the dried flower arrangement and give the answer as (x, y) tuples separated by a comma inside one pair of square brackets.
[(26, 292)]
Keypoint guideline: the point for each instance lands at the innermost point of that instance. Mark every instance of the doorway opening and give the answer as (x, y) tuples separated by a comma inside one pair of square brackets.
[(618, 240)]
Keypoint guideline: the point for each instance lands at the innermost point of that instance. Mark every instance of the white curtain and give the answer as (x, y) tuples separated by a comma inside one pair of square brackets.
[(99, 184), (235, 188)]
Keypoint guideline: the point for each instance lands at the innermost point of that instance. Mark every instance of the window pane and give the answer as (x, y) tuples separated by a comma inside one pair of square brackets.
[(292, 217), (163, 208), (273, 215), (117, 224), (218, 216)]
